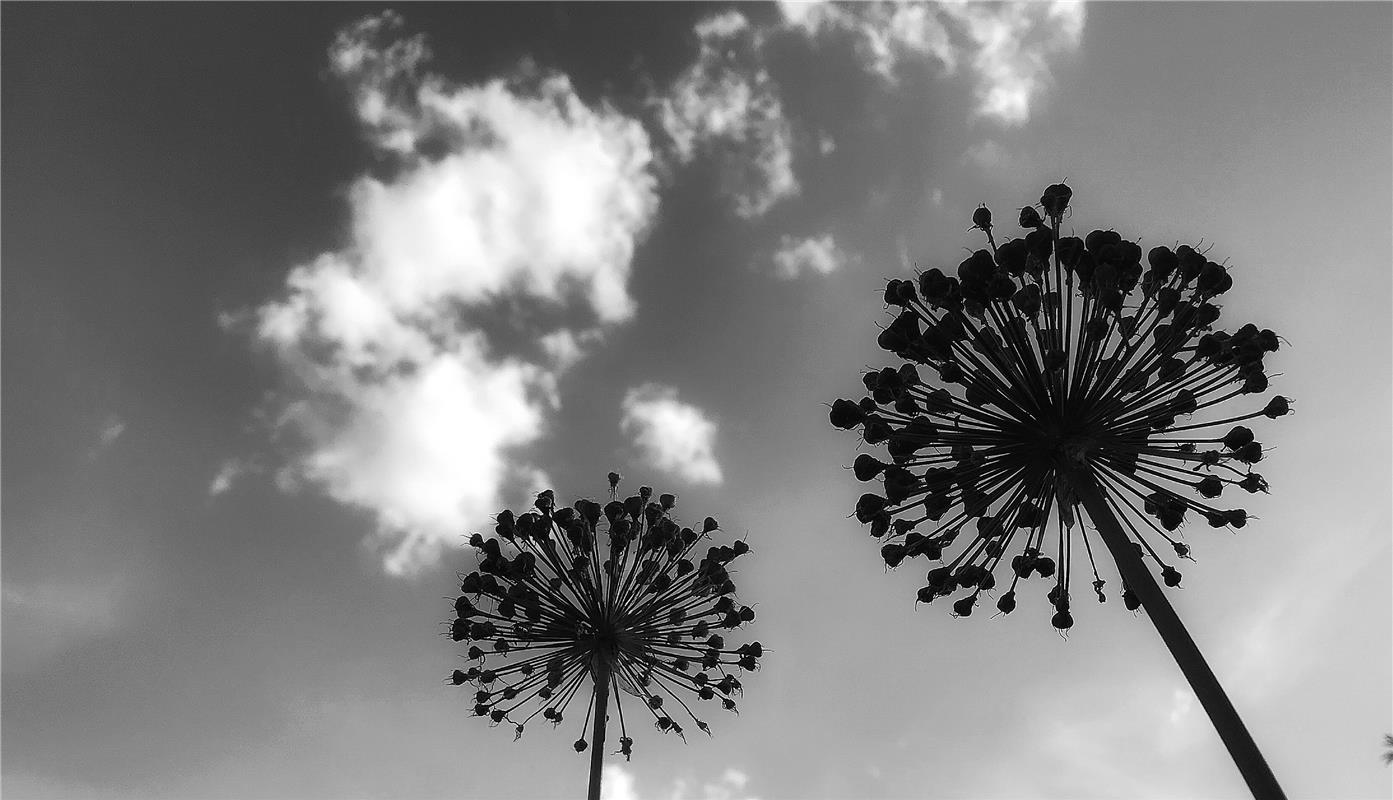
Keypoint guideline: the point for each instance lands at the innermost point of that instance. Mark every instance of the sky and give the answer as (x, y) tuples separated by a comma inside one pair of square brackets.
[(297, 296)]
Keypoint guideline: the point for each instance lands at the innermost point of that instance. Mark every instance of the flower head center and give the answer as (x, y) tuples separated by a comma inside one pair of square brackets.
[(606, 640), (1064, 441)]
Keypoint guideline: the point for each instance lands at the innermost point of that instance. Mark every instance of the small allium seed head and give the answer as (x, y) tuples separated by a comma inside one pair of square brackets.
[(568, 570)]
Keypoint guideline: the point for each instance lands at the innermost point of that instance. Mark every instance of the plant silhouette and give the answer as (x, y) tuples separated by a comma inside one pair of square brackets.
[(1068, 384), (601, 598)]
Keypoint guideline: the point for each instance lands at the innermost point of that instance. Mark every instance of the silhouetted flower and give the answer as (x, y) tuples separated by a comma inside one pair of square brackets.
[(619, 593), (1044, 356)]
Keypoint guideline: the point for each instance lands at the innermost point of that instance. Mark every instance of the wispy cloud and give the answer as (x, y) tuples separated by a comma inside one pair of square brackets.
[(883, 34), (988, 155), (111, 429), (513, 193), (1008, 46), (796, 257), (620, 784), (1012, 44), (229, 471), (670, 434), (726, 102), (565, 348)]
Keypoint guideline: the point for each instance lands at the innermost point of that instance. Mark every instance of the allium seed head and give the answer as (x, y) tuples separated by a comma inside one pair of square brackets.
[(1047, 360)]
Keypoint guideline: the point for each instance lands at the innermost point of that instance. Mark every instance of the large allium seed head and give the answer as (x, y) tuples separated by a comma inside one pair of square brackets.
[(1035, 361)]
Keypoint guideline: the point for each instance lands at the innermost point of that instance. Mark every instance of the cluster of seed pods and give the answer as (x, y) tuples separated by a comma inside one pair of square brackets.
[(1047, 356), (560, 589)]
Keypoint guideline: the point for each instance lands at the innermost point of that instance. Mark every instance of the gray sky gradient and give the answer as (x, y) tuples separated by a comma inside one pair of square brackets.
[(167, 634)]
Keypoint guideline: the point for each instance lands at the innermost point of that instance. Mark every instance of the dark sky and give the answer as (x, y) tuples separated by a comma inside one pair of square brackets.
[(225, 568)]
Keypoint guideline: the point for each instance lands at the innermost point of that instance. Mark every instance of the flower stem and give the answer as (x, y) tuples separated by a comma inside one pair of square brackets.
[(597, 739), (1244, 751)]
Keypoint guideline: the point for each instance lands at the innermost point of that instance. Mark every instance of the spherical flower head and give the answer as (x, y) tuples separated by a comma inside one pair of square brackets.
[(1055, 200), (564, 595), (982, 218), (1045, 361)]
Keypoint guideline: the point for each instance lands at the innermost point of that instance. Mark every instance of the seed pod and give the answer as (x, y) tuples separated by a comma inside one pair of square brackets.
[(1006, 603), (982, 218)]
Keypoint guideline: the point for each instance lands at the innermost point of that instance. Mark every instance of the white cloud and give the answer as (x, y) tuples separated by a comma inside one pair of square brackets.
[(805, 14), (111, 430), (381, 69), (671, 435), (1182, 703), (425, 451), (727, 101), (796, 257), (228, 473), (619, 784), (883, 34), (1007, 45), (1013, 42), (509, 191), (564, 348)]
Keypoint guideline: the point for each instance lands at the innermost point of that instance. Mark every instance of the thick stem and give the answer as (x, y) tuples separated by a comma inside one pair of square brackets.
[(597, 739), (1244, 751)]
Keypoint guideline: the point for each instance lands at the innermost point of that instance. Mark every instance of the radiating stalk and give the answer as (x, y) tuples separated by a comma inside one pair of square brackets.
[(597, 739), (1244, 751)]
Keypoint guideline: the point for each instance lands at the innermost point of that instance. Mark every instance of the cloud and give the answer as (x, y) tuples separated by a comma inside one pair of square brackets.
[(111, 430), (619, 784), (988, 155), (381, 67), (883, 34), (1013, 43), (1008, 46), (726, 101), (422, 357), (671, 435), (796, 257), (565, 348), (229, 471)]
